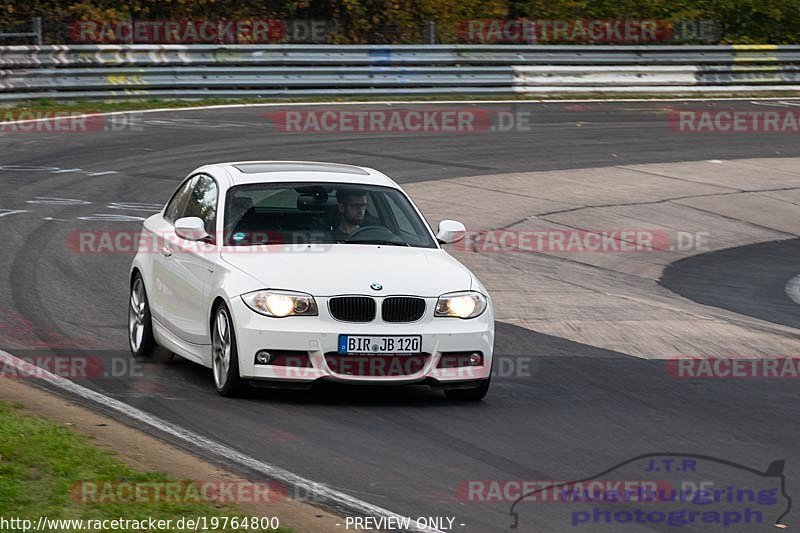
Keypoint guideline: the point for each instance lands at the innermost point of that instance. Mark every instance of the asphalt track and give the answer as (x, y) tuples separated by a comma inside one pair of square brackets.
[(578, 411), (755, 287)]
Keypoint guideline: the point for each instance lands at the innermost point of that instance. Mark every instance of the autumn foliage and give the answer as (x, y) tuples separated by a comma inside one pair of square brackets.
[(376, 21)]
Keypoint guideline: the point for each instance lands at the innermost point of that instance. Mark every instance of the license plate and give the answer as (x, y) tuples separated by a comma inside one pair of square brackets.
[(367, 344)]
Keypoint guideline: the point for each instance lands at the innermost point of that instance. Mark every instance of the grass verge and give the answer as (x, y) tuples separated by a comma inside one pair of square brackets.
[(11, 110), (41, 463)]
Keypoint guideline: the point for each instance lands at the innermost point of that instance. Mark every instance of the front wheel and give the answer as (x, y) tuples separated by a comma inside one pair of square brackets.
[(140, 326), (474, 394), (224, 355)]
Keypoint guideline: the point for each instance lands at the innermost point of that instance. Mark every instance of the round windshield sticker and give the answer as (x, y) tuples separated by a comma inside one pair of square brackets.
[(239, 236)]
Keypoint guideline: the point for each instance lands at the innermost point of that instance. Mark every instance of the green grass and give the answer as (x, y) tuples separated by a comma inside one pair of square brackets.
[(100, 106), (40, 462)]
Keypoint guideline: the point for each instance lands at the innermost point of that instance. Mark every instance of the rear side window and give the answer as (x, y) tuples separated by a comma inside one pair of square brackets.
[(177, 204)]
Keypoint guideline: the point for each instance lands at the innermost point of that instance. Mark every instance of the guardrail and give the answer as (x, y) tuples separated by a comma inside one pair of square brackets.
[(198, 71)]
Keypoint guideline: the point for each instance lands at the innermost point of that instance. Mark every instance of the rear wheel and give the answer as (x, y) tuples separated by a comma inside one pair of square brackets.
[(224, 355), (474, 394)]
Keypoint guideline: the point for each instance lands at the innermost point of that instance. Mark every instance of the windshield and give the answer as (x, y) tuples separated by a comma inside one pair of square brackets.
[(324, 213)]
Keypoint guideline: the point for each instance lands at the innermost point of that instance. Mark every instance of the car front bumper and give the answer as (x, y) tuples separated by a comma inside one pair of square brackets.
[(319, 336)]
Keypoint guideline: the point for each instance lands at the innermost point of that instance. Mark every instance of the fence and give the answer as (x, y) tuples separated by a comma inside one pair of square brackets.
[(35, 33), (211, 71)]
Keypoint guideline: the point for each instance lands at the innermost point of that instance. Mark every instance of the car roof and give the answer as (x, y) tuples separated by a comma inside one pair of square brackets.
[(247, 172)]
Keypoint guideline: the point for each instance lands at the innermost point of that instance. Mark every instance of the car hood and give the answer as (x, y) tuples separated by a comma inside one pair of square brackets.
[(327, 270)]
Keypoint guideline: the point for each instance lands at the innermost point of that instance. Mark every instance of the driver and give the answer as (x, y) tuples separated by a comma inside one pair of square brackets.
[(352, 208)]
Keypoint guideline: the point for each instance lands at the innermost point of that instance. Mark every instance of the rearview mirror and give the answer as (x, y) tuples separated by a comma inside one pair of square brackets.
[(191, 228), (450, 231)]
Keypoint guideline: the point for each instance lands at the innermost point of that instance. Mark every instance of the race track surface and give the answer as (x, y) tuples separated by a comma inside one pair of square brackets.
[(585, 338)]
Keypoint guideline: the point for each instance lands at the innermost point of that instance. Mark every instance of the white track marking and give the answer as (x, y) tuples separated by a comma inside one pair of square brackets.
[(103, 173), (135, 206), (21, 168), (7, 212), (112, 218), (313, 488), (55, 170), (66, 170), (792, 289), (780, 103), (782, 99), (57, 201)]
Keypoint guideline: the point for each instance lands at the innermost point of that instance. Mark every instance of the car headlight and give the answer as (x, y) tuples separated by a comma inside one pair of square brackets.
[(280, 304), (467, 304)]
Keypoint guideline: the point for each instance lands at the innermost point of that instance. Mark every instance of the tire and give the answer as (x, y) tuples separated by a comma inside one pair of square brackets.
[(474, 394), (140, 326), (224, 354)]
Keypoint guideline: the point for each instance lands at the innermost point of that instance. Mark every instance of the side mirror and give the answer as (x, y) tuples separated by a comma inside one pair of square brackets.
[(450, 231), (191, 228)]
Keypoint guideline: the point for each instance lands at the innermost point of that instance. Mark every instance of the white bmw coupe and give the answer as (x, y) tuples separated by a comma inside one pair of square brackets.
[(285, 273)]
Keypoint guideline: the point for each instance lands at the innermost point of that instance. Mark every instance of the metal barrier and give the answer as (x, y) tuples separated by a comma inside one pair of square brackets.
[(197, 71)]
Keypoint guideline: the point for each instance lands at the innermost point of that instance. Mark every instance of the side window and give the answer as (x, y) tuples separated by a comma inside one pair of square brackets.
[(203, 202), (177, 204)]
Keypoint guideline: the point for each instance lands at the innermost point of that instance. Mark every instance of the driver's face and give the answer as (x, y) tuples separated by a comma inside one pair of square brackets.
[(353, 211)]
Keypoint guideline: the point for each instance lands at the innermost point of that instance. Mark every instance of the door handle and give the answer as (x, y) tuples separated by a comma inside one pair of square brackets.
[(167, 251)]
